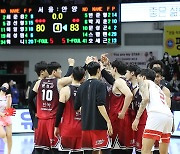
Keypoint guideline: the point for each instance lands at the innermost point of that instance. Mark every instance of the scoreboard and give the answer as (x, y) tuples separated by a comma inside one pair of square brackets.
[(60, 25)]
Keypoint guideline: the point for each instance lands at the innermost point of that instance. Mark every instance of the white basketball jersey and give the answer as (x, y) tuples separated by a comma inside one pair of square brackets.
[(157, 102)]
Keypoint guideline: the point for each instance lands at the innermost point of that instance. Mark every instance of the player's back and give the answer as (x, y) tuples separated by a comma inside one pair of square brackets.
[(92, 94), (47, 98), (71, 119), (157, 102), (117, 102)]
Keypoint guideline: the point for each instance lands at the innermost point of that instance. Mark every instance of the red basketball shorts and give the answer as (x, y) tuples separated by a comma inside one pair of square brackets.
[(44, 135), (95, 139)]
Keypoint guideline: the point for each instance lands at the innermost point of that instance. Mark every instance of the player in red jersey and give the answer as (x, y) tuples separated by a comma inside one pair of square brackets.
[(47, 91), (96, 125), (70, 127), (131, 74), (120, 99)]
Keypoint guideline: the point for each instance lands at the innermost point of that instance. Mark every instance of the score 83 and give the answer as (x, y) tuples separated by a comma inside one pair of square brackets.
[(74, 27)]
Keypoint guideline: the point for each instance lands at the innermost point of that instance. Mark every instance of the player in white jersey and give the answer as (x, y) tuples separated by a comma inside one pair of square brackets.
[(160, 119)]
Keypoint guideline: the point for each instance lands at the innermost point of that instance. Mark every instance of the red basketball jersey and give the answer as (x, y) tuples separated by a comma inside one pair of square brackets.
[(71, 123), (116, 103), (47, 99)]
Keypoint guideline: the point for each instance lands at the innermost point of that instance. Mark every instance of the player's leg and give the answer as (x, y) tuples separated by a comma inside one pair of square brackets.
[(97, 152), (147, 145), (9, 137), (163, 148), (2, 132)]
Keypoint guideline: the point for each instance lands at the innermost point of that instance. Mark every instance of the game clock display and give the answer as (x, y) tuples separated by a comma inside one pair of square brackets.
[(60, 25)]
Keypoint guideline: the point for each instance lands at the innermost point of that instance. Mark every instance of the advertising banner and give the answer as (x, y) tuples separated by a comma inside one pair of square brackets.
[(176, 123), (172, 40), (21, 122), (140, 58)]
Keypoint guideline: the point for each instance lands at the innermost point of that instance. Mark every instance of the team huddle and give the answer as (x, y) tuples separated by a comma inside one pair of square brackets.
[(117, 108)]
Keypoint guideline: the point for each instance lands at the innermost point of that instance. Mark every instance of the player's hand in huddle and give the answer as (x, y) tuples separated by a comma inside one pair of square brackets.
[(56, 132)]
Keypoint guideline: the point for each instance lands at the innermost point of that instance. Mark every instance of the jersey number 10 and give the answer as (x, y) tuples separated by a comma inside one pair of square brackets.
[(47, 95)]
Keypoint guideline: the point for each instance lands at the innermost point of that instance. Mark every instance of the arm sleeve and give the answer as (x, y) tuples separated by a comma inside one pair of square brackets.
[(108, 77), (31, 104), (85, 65), (101, 94), (69, 72), (59, 113), (77, 103)]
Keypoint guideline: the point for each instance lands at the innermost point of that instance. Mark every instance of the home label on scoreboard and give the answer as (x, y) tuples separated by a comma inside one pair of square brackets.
[(60, 25)]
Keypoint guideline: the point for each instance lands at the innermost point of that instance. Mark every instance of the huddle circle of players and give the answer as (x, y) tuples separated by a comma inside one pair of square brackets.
[(117, 108)]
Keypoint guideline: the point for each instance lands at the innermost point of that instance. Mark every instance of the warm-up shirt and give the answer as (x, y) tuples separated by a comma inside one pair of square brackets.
[(90, 95)]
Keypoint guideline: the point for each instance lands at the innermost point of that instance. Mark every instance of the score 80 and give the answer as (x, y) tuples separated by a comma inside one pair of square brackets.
[(40, 28)]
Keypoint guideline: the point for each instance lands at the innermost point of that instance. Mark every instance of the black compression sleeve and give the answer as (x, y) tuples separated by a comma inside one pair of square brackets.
[(108, 77), (69, 72), (85, 65), (31, 104), (59, 113)]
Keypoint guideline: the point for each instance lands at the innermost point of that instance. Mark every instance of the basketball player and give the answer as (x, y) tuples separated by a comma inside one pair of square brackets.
[(157, 80), (96, 125), (160, 64), (47, 91), (41, 70), (159, 121), (5, 121), (70, 126), (131, 74), (120, 99)]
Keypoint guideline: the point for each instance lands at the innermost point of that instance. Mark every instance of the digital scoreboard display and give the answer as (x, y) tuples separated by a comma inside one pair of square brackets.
[(60, 25)]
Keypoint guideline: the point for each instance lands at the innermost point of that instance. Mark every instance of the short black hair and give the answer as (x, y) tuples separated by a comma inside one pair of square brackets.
[(4, 89), (53, 66), (92, 68), (158, 70), (148, 73), (156, 62), (134, 68), (78, 73), (40, 66), (121, 67)]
